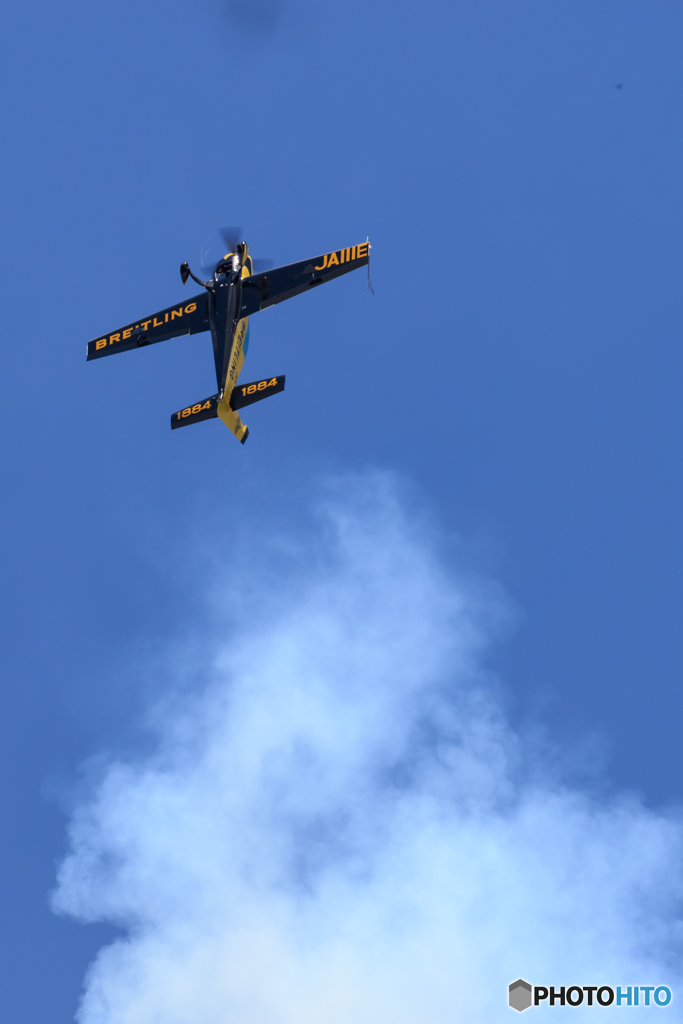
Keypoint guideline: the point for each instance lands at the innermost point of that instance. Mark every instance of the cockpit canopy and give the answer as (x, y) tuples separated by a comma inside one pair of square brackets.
[(233, 260)]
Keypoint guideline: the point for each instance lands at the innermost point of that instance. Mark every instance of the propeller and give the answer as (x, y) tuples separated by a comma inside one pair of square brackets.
[(262, 264), (222, 242), (231, 237)]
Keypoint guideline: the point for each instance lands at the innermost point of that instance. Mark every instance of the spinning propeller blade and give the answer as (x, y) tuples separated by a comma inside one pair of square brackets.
[(222, 242), (261, 265), (231, 237)]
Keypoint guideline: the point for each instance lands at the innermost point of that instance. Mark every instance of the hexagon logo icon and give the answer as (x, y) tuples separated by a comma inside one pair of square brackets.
[(519, 995)]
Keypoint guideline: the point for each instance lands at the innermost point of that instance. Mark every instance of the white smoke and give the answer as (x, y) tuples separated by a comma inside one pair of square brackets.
[(341, 828)]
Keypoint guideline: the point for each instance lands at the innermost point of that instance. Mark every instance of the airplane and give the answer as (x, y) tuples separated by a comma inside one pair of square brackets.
[(231, 296)]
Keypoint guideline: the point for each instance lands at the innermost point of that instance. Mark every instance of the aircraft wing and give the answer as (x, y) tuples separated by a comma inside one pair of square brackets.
[(262, 290), (190, 317)]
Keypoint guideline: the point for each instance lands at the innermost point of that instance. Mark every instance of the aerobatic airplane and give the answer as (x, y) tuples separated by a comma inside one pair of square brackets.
[(230, 297)]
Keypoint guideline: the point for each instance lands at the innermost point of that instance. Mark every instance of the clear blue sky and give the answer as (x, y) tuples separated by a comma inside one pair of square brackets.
[(520, 362)]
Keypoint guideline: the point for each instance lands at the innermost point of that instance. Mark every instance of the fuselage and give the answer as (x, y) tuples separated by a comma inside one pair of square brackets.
[(229, 332)]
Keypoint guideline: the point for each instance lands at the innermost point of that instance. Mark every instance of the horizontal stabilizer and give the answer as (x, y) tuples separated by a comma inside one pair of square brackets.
[(206, 410), (247, 394)]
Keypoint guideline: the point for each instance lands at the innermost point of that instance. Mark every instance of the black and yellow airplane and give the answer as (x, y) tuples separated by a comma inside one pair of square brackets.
[(230, 297)]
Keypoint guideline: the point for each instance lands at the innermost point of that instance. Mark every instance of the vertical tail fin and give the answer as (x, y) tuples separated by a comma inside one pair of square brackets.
[(232, 421), (210, 409)]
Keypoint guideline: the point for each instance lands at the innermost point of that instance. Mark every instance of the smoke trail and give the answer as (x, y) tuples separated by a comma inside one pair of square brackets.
[(341, 827)]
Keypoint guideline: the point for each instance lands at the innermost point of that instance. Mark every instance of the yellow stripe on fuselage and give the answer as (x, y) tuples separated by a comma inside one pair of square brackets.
[(228, 415)]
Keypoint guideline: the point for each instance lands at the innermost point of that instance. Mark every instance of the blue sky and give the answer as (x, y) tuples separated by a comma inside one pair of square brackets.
[(518, 367)]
